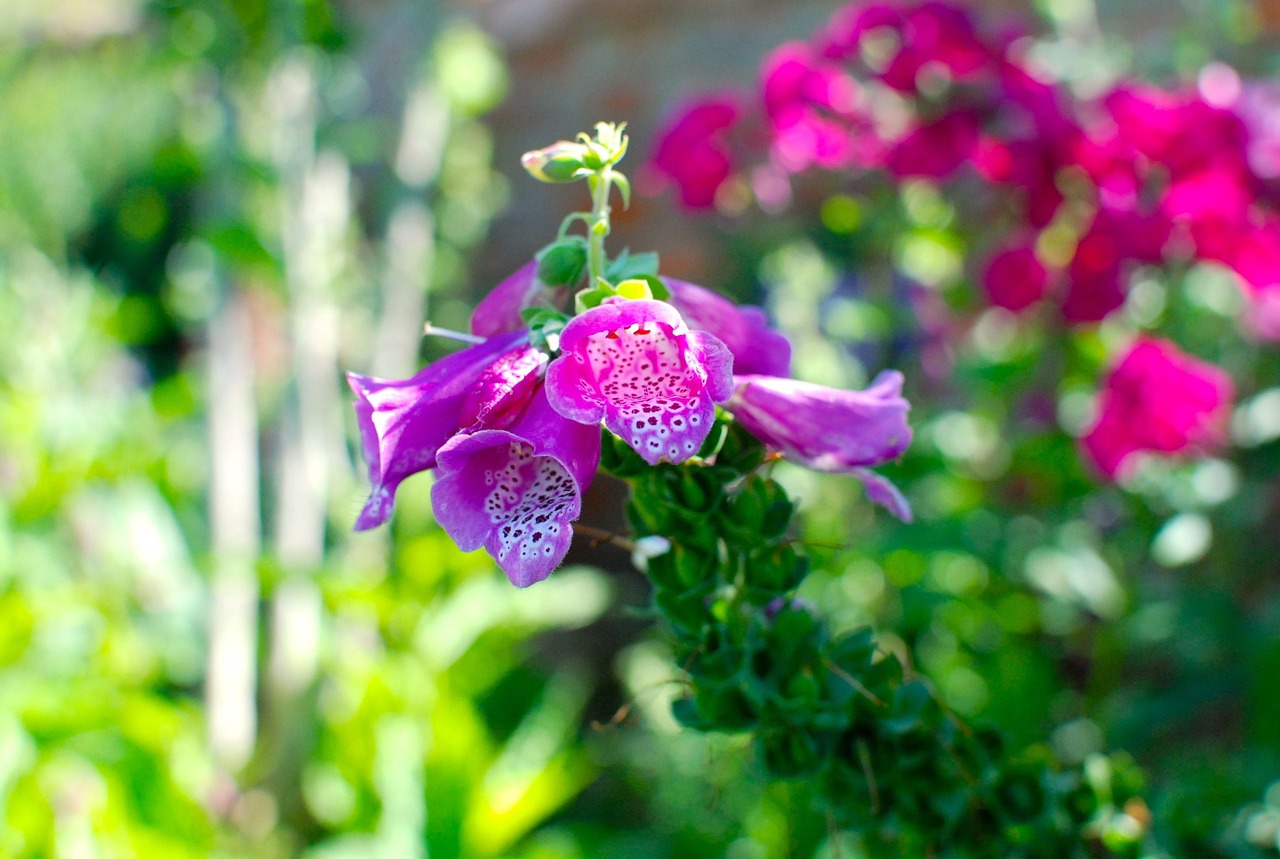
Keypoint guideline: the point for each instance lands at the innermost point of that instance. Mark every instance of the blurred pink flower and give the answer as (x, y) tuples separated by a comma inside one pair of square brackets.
[(692, 150), (1014, 277), (815, 112), (935, 149), (1157, 399)]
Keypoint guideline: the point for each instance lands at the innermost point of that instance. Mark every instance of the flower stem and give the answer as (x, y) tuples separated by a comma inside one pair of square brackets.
[(598, 222)]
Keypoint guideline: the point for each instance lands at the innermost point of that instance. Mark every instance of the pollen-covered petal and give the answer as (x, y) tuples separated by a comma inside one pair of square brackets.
[(636, 365), (516, 492)]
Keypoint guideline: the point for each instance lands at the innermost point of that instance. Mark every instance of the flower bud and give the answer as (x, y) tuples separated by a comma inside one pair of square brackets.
[(562, 161)]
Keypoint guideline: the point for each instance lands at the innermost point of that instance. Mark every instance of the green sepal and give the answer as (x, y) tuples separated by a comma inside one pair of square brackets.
[(852, 652), (693, 567), (910, 703), (739, 449), (795, 638), (719, 710), (684, 612), (772, 571), (698, 491), (619, 458), (545, 326), (563, 262), (624, 188), (593, 296)]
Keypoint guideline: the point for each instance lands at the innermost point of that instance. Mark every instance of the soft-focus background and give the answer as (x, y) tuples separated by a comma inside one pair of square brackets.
[(210, 209)]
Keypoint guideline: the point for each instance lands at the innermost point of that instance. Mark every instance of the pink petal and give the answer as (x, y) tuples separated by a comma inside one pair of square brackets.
[(635, 365), (403, 423), (516, 492)]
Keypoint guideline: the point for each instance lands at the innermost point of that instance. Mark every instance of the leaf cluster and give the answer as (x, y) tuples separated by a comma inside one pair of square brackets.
[(885, 757)]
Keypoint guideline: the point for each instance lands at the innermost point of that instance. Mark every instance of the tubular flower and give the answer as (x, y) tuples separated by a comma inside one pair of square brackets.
[(516, 491), (1157, 399), (635, 365), (830, 430), (756, 347), (403, 424), (499, 311)]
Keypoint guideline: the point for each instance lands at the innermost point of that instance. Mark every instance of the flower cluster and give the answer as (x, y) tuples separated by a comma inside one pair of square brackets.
[(513, 432), (1095, 187), (1076, 193)]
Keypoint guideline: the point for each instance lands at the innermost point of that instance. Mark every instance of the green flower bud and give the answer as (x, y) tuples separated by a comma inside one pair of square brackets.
[(562, 161), (563, 262)]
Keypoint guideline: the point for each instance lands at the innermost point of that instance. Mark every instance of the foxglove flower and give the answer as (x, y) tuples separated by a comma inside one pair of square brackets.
[(404, 423), (1157, 399), (516, 491), (635, 365), (827, 429), (756, 347)]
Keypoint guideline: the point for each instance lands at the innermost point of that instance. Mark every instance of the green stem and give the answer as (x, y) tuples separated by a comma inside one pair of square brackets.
[(598, 223)]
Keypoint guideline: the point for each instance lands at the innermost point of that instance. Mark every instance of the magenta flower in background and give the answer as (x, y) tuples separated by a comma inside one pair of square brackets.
[(1095, 279), (692, 150), (828, 429), (516, 491), (404, 423), (817, 114), (927, 34), (756, 347), (1014, 277), (1159, 400), (636, 365), (937, 148)]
